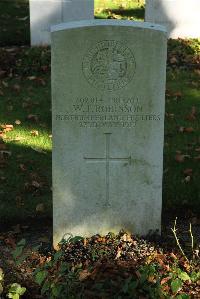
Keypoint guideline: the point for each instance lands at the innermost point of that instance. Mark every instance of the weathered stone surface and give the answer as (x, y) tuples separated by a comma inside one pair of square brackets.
[(181, 17), (45, 13), (108, 83)]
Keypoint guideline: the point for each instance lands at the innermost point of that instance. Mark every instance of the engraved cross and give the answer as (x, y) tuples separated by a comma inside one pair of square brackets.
[(107, 159)]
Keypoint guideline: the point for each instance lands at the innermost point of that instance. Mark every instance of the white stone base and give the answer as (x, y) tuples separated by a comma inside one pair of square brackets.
[(45, 13)]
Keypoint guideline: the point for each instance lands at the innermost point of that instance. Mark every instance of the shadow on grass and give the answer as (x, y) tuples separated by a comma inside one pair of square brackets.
[(183, 52), (184, 46), (14, 23), (25, 61), (25, 176)]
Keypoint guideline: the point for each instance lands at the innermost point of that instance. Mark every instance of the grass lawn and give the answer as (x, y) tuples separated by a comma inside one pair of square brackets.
[(120, 9), (25, 168), (25, 161), (182, 141), (25, 171)]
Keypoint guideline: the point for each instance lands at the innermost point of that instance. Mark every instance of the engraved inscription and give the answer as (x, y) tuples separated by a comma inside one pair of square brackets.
[(109, 65), (107, 159), (107, 121), (107, 112)]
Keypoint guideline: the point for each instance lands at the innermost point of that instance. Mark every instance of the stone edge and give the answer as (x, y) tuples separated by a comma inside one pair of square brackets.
[(93, 23)]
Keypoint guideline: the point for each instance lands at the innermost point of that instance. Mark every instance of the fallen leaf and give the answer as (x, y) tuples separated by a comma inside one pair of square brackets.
[(173, 60), (35, 184), (37, 149), (31, 78), (19, 201), (181, 129), (26, 185), (188, 171), (16, 87), (189, 130), (160, 261), (191, 117), (32, 117), (2, 146), (173, 256), (84, 274), (22, 167), (197, 71), (7, 128), (41, 81), (177, 94), (152, 279), (187, 179), (119, 253), (197, 158), (34, 133), (23, 19), (84, 242), (10, 50), (181, 158), (44, 68), (17, 122), (126, 237), (166, 288), (10, 241), (40, 208), (5, 84)]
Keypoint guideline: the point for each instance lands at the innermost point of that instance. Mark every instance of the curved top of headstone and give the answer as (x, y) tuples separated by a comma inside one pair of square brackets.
[(93, 23)]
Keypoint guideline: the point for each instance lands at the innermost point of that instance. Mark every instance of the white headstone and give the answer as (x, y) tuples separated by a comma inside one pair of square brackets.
[(45, 13), (181, 17), (108, 86)]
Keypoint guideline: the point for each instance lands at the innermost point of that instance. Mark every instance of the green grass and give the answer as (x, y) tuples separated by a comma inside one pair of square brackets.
[(119, 9), (25, 175), (177, 191), (27, 93)]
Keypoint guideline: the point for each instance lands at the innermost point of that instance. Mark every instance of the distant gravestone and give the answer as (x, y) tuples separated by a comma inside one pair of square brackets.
[(108, 86), (45, 13), (181, 17)]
